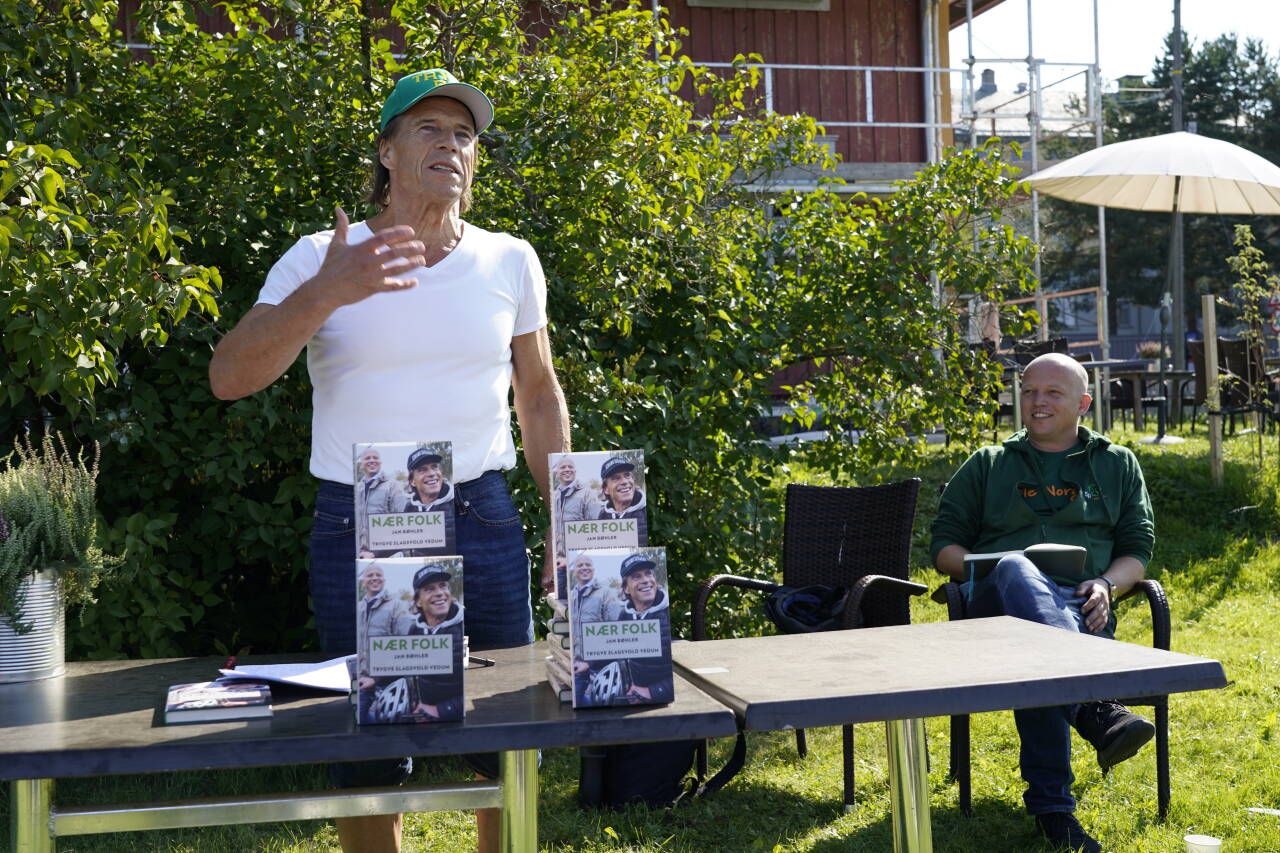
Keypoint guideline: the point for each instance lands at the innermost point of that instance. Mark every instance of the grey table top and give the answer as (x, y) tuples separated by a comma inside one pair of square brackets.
[(927, 670), (105, 717)]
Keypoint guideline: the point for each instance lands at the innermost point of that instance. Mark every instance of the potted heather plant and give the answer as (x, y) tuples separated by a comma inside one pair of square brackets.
[(49, 553)]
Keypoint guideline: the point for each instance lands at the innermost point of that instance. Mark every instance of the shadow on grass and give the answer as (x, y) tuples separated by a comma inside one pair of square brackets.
[(995, 825)]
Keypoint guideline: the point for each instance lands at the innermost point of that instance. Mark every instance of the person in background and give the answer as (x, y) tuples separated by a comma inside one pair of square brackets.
[(1054, 481)]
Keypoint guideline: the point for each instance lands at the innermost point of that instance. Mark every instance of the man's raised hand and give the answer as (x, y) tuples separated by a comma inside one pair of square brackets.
[(351, 273)]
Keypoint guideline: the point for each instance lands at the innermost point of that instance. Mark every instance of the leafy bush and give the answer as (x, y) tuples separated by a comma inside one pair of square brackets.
[(678, 282)]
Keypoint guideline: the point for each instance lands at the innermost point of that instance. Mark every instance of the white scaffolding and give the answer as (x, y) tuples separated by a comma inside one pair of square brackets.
[(1092, 119)]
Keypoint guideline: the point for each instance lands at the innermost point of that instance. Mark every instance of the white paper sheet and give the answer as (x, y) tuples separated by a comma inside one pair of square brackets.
[(325, 675)]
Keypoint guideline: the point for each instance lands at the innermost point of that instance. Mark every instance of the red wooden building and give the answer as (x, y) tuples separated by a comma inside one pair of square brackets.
[(856, 66)]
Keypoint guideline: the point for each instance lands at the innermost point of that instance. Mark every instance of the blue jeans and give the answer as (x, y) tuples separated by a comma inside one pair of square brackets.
[(1016, 587), (495, 586)]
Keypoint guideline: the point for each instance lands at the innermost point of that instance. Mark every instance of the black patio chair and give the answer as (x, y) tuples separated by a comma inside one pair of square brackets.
[(1120, 397), (1245, 386), (858, 538), (1026, 351), (951, 594)]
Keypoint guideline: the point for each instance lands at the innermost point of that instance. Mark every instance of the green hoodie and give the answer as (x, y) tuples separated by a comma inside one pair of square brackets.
[(983, 509)]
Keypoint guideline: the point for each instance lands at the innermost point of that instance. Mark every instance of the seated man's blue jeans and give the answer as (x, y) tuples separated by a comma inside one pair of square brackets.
[(1016, 587), (496, 592)]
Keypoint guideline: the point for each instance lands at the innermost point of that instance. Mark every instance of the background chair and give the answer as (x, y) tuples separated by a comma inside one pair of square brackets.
[(1120, 397), (1246, 388), (951, 595), (858, 538), (1026, 351), (1243, 384)]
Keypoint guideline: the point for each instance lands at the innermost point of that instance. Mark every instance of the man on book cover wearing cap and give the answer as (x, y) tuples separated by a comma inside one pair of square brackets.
[(1054, 481), (435, 611), (643, 598), (622, 495), (437, 320)]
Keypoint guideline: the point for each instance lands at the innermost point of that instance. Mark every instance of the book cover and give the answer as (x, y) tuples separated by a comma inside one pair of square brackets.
[(404, 499), (1059, 562), (620, 628), (217, 701), (410, 644), (598, 500)]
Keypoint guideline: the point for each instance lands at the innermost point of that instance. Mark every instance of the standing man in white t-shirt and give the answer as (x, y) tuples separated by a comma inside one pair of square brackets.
[(358, 298)]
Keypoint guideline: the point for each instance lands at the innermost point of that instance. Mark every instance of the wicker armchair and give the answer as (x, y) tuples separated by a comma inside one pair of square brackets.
[(858, 538), (950, 594)]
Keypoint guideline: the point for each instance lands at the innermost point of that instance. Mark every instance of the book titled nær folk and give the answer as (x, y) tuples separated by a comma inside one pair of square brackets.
[(598, 500), (620, 629), (404, 499), (410, 639)]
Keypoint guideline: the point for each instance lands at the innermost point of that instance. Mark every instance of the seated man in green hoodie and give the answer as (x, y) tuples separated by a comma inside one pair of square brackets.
[(1054, 481)]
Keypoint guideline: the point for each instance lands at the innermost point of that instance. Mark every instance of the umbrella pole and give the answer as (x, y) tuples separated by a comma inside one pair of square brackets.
[(1164, 396), (1173, 282), (1213, 417)]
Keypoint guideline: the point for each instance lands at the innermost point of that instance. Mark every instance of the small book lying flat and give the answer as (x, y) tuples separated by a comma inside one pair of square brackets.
[(1056, 561), (217, 701)]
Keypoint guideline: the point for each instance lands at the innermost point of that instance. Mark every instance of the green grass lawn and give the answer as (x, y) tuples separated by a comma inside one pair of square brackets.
[(1217, 556)]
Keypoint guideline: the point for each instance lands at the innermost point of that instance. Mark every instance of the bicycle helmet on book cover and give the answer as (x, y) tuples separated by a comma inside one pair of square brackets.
[(392, 701), (608, 682)]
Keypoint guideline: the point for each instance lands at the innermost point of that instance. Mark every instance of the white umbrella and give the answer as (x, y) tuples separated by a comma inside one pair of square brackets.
[(1179, 172)]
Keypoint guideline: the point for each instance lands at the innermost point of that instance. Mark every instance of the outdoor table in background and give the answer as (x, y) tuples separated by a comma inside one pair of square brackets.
[(105, 717), (1140, 376), (902, 674)]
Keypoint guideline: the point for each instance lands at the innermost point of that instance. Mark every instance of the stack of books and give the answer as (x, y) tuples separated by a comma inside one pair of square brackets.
[(559, 659), (410, 615), (609, 632)]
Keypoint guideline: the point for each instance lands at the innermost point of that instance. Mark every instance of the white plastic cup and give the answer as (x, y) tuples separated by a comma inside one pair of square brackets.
[(1202, 843)]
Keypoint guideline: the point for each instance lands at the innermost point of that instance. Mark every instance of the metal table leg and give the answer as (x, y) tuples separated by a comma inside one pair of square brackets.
[(519, 773), (909, 786), (30, 830)]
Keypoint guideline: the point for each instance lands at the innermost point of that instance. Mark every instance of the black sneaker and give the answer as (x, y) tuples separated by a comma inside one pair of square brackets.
[(1065, 833), (1114, 731)]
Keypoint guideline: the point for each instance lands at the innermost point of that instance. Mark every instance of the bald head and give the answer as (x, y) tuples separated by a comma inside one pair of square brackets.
[(1053, 398), (1060, 362)]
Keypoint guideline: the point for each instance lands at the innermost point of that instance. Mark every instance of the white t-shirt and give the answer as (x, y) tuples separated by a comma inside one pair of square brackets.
[(432, 363)]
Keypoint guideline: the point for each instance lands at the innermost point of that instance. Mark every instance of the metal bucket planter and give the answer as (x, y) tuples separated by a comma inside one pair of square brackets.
[(39, 653)]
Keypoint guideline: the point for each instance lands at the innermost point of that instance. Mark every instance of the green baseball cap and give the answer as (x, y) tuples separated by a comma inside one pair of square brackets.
[(434, 82)]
